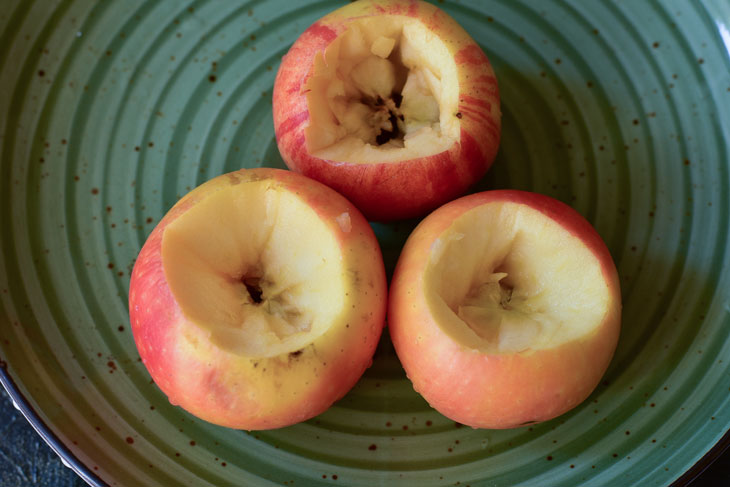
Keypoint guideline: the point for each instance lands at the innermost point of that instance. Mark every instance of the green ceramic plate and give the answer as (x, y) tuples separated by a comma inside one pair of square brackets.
[(110, 111)]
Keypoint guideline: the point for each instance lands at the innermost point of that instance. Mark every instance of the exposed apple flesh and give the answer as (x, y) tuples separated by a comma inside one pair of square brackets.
[(504, 309), (389, 102), (259, 299), (377, 93), (258, 268), (516, 279)]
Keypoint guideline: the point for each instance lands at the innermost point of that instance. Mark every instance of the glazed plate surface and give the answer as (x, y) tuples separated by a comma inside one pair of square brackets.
[(110, 111)]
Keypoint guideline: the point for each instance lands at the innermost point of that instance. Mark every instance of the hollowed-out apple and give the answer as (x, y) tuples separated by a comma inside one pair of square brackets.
[(391, 103), (504, 309), (258, 300)]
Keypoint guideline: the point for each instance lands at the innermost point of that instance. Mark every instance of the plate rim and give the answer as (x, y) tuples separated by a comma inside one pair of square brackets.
[(82, 470), (710, 457), (68, 458), (707, 455)]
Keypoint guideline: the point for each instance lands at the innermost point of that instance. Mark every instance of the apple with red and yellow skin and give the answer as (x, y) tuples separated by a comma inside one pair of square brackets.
[(391, 103), (259, 299), (504, 309)]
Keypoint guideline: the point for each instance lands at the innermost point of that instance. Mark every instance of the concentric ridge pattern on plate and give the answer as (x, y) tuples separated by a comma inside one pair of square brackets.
[(111, 111)]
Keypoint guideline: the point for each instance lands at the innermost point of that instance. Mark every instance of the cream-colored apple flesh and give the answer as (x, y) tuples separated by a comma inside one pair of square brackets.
[(523, 283), (259, 299), (262, 285), (385, 90), (389, 102), (504, 309)]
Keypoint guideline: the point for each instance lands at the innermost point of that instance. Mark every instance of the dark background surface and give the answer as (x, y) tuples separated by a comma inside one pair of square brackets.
[(26, 460)]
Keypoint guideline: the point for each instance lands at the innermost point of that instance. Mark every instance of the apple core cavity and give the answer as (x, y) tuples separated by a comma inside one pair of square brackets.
[(384, 90), (257, 268), (506, 279)]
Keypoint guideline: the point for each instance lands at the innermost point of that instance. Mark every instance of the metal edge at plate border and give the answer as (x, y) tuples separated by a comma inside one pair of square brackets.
[(67, 457), (71, 461), (704, 463)]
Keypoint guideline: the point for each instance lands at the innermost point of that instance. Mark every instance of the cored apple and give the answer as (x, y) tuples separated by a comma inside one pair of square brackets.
[(504, 309), (391, 103), (259, 299)]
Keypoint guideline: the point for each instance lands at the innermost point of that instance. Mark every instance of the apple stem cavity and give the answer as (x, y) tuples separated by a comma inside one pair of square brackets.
[(506, 293), (253, 286), (491, 313), (390, 126)]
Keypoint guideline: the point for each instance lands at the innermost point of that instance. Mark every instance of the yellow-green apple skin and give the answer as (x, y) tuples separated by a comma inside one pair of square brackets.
[(409, 187), (204, 367), (473, 383)]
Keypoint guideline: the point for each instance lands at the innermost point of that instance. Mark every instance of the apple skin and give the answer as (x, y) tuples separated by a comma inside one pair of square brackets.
[(409, 188), (496, 391), (260, 393)]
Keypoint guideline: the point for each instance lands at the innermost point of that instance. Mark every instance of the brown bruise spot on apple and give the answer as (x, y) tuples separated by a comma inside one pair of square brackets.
[(524, 283), (256, 267), (380, 92)]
